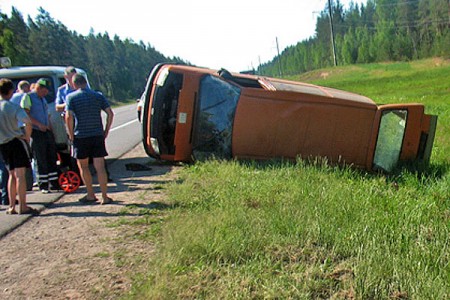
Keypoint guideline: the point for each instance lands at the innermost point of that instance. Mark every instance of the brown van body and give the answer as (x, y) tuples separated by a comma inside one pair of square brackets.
[(276, 118)]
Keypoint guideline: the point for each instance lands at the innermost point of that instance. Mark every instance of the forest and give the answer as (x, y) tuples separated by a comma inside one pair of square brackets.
[(380, 30), (118, 68)]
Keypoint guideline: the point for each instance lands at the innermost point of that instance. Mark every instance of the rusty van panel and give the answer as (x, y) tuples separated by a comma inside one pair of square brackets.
[(302, 126)]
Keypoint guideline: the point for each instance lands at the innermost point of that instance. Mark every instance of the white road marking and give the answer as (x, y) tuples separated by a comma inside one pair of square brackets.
[(123, 125)]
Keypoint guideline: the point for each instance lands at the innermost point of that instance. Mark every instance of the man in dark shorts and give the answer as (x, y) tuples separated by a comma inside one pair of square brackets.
[(61, 99), (14, 147), (42, 137), (85, 129)]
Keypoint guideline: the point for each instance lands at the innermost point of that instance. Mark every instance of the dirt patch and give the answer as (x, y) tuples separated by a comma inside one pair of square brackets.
[(74, 251)]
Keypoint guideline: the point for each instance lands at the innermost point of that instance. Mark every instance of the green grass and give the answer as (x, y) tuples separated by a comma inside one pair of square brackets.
[(307, 230)]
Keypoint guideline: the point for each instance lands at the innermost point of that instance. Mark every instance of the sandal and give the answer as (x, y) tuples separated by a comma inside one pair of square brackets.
[(11, 211), (86, 200), (107, 201), (29, 211)]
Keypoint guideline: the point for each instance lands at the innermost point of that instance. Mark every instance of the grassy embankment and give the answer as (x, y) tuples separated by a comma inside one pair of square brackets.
[(240, 230)]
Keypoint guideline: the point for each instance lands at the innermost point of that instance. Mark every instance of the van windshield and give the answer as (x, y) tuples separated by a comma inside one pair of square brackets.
[(214, 120)]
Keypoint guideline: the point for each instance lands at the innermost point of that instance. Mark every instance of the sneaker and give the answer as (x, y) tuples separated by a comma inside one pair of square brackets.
[(43, 191)]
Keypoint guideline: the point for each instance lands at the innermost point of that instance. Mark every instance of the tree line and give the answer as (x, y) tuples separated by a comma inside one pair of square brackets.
[(116, 67), (380, 30)]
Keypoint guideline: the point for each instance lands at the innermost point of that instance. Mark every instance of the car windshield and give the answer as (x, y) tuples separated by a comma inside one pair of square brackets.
[(214, 122)]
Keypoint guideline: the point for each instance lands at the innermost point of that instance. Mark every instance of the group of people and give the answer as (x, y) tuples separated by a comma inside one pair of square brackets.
[(25, 122)]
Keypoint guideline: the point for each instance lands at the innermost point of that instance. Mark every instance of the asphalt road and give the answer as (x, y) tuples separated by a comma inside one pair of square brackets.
[(125, 132), (124, 135)]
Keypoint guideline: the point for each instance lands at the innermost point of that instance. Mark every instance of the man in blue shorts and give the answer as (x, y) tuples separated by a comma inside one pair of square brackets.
[(85, 129), (14, 147)]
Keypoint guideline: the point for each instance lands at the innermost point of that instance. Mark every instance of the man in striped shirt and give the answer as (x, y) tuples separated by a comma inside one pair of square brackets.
[(86, 131)]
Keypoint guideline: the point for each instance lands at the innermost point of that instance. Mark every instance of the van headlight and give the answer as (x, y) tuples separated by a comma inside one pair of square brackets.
[(155, 145)]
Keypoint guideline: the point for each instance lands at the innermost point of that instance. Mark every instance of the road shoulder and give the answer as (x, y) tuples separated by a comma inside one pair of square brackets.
[(77, 251)]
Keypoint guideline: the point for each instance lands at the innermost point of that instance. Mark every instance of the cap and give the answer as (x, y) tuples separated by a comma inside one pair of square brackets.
[(44, 83)]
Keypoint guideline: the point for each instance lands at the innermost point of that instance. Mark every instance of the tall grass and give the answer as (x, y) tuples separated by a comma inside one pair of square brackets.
[(307, 230), (281, 230)]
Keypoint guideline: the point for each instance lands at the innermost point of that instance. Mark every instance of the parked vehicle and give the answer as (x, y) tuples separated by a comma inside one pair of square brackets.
[(55, 75), (139, 107), (32, 73), (194, 113)]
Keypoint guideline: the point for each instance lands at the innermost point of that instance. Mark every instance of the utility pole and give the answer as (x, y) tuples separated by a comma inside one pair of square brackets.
[(332, 32), (259, 66), (279, 58)]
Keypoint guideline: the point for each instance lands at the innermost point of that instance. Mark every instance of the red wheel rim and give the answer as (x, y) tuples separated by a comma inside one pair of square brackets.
[(69, 181)]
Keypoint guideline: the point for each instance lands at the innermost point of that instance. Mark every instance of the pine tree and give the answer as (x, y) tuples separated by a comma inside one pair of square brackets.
[(15, 38)]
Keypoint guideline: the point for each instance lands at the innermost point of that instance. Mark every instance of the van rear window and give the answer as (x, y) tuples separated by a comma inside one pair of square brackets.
[(390, 139)]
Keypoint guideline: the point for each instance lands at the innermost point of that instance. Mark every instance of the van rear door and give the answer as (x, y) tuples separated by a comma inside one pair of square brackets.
[(405, 134)]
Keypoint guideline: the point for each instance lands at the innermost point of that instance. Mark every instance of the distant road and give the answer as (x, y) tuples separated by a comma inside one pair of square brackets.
[(125, 132)]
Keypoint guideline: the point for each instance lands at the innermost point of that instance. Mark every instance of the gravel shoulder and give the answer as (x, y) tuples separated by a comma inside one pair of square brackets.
[(71, 251)]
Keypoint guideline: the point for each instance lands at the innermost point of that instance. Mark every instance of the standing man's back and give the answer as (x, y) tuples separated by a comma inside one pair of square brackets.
[(85, 128), (88, 105)]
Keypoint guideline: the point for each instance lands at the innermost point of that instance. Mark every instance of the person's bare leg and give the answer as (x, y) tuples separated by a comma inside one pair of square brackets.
[(21, 185), (83, 165), (12, 191), (99, 164)]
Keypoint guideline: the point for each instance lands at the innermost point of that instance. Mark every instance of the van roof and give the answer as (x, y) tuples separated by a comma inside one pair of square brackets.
[(282, 85), (34, 70)]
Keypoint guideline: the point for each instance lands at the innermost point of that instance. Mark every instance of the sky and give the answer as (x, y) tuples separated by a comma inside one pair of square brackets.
[(233, 34)]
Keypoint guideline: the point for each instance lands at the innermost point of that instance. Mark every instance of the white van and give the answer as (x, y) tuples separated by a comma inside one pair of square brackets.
[(55, 74)]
